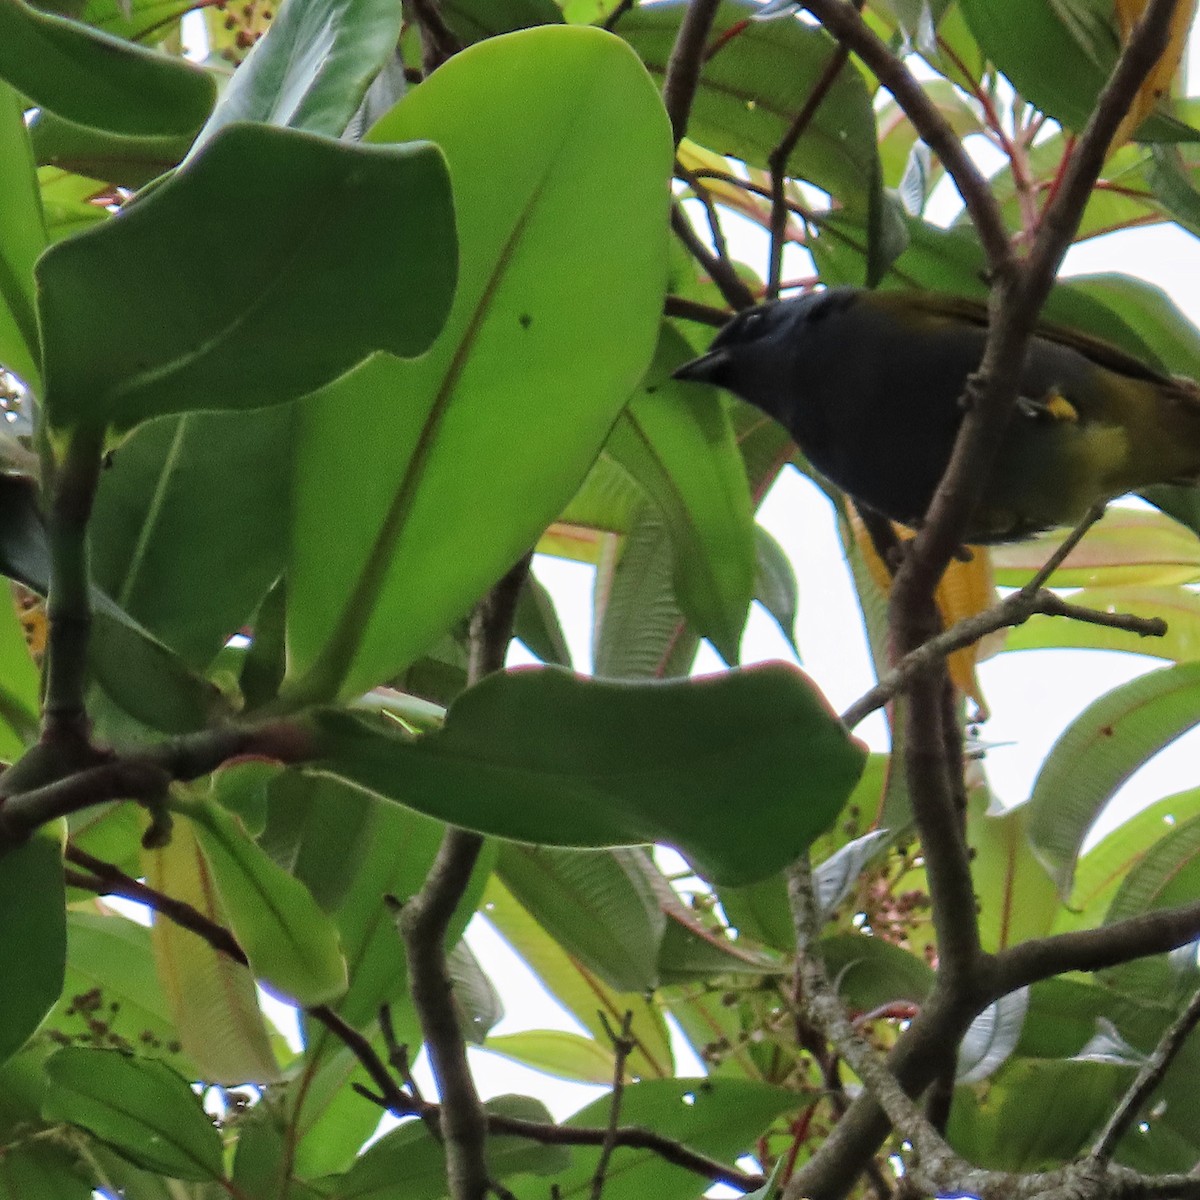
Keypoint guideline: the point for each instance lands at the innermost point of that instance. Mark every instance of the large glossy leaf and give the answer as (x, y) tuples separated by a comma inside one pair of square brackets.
[(755, 85), (94, 79), (313, 66), (461, 459), (1020, 1121), (681, 449), (1096, 754), (188, 526), (299, 293), (546, 757), (292, 946), (33, 935), (138, 1106), (22, 239)]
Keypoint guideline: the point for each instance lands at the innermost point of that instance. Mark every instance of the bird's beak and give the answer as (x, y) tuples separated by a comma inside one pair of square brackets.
[(705, 369)]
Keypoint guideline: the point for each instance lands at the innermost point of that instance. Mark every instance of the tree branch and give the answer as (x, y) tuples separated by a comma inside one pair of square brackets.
[(685, 63), (106, 879), (425, 919), (736, 294), (1156, 932), (143, 777)]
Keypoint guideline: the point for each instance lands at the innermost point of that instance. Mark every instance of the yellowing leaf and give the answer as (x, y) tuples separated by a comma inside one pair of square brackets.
[(1157, 83)]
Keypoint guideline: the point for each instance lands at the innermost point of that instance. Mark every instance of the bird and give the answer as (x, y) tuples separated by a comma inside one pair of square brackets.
[(870, 386)]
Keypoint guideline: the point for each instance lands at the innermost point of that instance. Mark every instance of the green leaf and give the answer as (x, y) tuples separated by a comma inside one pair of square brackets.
[(33, 935), (755, 86), (37, 1171), (1034, 1114), (580, 992), (22, 239), (312, 67), (681, 450), (128, 162), (300, 293), (775, 586), (475, 20), (188, 526), (94, 79), (717, 1117), (1097, 752), (292, 946), (555, 1052), (1102, 869), (139, 1106), (112, 998), (212, 999), (1168, 875), (640, 631), (595, 905), (505, 414), (871, 973), (537, 625), (546, 757)]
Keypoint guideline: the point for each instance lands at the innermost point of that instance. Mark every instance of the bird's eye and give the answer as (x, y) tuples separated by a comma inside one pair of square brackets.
[(752, 320)]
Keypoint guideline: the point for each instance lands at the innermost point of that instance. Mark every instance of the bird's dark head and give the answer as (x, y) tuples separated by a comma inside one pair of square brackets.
[(754, 355)]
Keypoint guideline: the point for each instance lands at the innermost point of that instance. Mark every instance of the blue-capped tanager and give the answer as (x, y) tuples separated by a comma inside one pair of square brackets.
[(870, 384)]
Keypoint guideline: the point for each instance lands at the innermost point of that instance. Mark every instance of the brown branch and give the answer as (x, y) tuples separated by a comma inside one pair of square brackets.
[(685, 63), (425, 919), (144, 776), (1012, 611), (1156, 932), (693, 310), (844, 23), (1148, 1079), (106, 879), (610, 22)]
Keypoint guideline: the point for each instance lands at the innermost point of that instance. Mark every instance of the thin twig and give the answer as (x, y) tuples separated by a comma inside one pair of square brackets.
[(777, 160), (693, 310), (106, 879), (735, 293), (1010, 612), (685, 62), (623, 1046), (843, 21), (1148, 1078), (610, 22)]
